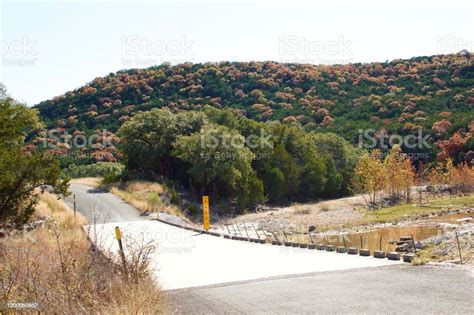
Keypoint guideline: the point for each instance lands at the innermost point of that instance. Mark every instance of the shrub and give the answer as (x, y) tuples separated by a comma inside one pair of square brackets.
[(100, 169)]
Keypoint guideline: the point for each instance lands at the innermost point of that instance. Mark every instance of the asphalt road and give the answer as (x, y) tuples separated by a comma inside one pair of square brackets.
[(99, 206), (400, 289), (185, 259), (208, 275)]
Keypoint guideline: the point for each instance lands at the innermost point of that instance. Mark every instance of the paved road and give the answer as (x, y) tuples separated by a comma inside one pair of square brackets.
[(400, 289), (206, 274), (100, 206), (186, 259)]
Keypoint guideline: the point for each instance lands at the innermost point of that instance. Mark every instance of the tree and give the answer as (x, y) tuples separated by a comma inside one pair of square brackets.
[(369, 176), (23, 171), (400, 174), (314, 178), (275, 186), (147, 140), (219, 163), (458, 178), (343, 155)]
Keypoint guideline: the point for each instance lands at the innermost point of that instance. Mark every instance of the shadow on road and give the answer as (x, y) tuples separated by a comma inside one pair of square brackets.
[(98, 190)]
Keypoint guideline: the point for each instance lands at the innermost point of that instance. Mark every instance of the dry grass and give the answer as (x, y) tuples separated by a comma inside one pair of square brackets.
[(57, 267), (410, 210), (144, 196), (352, 211), (52, 208), (89, 181), (325, 214)]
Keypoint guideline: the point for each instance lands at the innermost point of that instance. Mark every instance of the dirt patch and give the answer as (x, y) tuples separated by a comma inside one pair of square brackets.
[(326, 214)]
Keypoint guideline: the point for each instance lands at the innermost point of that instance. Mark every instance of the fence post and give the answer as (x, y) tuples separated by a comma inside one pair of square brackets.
[(311, 237), (413, 242), (274, 236), (245, 228), (459, 247), (256, 232), (240, 233), (74, 197), (233, 228), (227, 228), (118, 236)]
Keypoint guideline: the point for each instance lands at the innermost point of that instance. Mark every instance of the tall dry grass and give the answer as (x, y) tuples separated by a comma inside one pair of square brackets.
[(58, 268), (144, 196), (89, 181)]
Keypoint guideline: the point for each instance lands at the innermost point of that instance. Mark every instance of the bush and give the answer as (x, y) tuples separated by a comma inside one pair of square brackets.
[(153, 200), (193, 209), (111, 177), (101, 169)]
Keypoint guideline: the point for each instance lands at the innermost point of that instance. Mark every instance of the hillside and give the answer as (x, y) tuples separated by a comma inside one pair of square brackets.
[(434, 94)]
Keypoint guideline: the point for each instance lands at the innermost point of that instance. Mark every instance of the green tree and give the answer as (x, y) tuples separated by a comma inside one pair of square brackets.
[(313, 178), (275, 186), (147, 139), (343, 159), (23, 171), (219, 163), (283, 160)]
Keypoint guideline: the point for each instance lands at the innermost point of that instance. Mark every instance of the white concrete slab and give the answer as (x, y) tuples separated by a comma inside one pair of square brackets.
[(187, 259)]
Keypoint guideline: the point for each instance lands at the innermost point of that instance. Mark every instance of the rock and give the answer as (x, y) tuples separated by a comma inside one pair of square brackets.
[(440, 239), (311, 228), (408, 258), (439, 252), (402, 248), (462, 233), (153, 215), (393, 256)]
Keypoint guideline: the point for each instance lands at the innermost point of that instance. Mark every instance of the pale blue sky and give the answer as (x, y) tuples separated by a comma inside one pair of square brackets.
[(65, 44)]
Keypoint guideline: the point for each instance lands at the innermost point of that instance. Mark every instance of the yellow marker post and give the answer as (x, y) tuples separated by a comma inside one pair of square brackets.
[(118, 236), (205, 212)]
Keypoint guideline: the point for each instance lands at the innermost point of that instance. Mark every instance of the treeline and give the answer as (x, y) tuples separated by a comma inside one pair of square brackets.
[(389, 178), (232, 158), (433, 95)]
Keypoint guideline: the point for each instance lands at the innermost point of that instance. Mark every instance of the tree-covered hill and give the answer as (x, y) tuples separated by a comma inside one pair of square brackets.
[(433, 94)]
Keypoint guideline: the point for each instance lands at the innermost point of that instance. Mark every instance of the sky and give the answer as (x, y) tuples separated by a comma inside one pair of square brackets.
[(50, 47)]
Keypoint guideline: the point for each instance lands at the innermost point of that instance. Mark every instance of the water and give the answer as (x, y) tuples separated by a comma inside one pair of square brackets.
[(379, 239)]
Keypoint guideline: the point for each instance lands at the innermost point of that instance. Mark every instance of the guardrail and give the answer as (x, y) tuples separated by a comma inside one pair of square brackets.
[(395, 256)]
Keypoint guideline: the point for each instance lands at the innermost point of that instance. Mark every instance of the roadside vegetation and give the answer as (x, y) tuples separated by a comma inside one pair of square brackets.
[(147, 196), (408, 211), (88, 181), (45, 256), (239, 162), (23, 168), (55, 265), (99, 169)]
